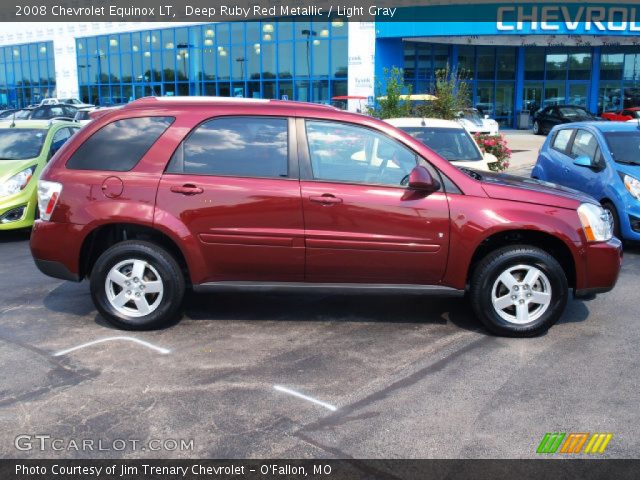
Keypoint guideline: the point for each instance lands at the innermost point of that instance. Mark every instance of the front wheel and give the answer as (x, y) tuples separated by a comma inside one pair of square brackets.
[(137, 285), (609, 207), (519, 291)]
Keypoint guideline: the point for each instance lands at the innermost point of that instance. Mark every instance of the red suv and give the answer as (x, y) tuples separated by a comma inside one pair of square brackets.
[(207, 193)]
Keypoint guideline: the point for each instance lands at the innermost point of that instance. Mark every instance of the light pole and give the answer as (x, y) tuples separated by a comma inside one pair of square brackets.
[(241, 61), (309, 34)]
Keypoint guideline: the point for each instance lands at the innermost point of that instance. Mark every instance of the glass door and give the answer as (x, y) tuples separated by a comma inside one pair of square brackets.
[(578, 94)]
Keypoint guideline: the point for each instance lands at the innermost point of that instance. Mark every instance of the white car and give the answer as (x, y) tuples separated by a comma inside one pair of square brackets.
[(67, 101), (448, 139), (474, 122), (82, 115)]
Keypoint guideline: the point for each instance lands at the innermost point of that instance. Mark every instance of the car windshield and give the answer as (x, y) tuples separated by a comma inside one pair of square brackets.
[(635, 114), (453, 144), (574, 113), (21, 143), (472, 115), (624, 146)]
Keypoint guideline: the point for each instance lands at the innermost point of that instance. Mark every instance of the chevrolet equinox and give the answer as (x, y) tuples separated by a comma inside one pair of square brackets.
[(167, 194)]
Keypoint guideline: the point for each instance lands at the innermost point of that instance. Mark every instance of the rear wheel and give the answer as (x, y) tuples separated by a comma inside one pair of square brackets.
[(537, 129), (519, 291), (137, 285)]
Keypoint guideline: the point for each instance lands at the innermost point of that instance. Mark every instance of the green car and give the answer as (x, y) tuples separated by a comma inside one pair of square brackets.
[(25, 148)]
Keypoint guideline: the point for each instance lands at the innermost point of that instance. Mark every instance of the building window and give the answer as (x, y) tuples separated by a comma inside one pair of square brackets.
[(27, 74), (619, 78), (271, 59)]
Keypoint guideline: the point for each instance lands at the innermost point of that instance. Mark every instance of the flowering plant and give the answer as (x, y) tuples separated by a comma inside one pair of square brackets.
[(497, 146)]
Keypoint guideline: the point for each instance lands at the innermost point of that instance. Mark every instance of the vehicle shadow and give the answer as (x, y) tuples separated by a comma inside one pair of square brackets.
[(441, 309), (70, 298), (339, 307), (15, 236)]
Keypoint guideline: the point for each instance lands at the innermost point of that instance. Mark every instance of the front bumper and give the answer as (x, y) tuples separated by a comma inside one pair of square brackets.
[(602, 263), (26, 201), (630, 221)]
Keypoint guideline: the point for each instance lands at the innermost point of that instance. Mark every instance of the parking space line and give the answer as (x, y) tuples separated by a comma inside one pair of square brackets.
[(328, 406), (161, 350)]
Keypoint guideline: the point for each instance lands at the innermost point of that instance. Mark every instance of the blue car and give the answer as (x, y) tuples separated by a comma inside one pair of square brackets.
[(601, 159)]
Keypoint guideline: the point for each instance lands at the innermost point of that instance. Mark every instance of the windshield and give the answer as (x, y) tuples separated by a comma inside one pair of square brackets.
[(453, 144), (472, 115), (21, 143), (635, 114), (574, 113), (624, 146)]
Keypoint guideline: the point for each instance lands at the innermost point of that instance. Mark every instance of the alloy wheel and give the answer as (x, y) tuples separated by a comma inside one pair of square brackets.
[(521, 294), (134, 288)]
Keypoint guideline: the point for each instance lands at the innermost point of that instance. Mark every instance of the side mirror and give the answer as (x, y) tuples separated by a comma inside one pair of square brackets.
[(420, 180), (583, 161)]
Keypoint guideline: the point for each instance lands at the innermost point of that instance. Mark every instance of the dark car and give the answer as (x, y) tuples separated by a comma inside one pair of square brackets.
[(47, 112), (547, 118), (7, 113), (166, 193)]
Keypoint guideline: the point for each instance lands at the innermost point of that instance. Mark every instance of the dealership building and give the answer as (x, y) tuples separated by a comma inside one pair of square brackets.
[(518, 58)]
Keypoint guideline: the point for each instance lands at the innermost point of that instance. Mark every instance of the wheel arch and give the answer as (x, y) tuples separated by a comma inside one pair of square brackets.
[(545, 241), (104, 236)]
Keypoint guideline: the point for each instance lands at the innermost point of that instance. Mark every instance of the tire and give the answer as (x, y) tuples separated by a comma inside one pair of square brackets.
[(611, 208), (161, 285), (536, 128), (512, 264)]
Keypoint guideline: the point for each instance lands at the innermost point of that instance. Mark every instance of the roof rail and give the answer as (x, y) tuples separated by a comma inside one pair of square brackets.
[(154, 101), (194, 99)]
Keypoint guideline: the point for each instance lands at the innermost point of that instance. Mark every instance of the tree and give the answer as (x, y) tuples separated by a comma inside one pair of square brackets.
[(452, 93), (391, 105)]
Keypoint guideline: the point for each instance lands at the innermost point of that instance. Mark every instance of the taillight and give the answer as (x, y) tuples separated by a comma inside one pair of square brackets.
[(48, 194)]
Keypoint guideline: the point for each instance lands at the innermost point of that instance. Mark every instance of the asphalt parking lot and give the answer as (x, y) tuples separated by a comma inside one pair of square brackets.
[(390, 376)]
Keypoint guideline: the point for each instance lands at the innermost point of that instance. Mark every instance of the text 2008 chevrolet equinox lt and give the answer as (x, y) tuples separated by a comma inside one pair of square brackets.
[(173, 193)]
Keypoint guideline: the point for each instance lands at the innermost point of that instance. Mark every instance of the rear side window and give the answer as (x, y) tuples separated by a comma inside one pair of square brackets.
[(235, 146), (120, 145), (561, 140)]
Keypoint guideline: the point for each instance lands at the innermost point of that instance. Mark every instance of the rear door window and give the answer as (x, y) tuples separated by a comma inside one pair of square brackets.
[(235, 146), (561, 140), (120, 145)]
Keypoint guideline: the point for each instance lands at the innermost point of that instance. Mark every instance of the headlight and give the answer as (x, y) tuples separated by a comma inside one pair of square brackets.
[(596, 222), (17, 183), (632, 184)]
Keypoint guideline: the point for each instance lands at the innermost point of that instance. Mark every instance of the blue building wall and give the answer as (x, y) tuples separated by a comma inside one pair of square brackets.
[(612, 40)]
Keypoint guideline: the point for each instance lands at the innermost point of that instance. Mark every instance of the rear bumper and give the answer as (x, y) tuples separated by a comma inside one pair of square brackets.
[(55, 248), (56, 270), (602, 262)]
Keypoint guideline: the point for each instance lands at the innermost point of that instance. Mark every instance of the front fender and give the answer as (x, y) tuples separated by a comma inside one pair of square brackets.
[(473, 221)]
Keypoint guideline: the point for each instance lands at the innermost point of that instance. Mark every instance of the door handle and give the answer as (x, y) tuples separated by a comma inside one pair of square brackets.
[(326, 199), (187, 189)]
